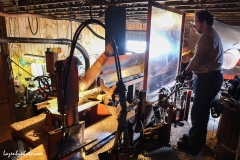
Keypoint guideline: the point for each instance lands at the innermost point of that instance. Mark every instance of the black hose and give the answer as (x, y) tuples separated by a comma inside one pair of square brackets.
[(93, 32), (74, 41)]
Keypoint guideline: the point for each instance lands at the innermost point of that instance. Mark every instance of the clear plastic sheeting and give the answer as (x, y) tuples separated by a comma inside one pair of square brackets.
[(230, 58), (164, 49), (230, 35)]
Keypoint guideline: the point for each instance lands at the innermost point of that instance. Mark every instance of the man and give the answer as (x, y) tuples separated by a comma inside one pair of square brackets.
[(206, 64)]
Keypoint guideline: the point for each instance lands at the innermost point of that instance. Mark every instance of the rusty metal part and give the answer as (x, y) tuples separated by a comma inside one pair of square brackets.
[(67, 102), (58, 145)]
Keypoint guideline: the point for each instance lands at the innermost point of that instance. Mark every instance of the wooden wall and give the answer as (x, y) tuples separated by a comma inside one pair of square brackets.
[(52, 29), (136, 26)]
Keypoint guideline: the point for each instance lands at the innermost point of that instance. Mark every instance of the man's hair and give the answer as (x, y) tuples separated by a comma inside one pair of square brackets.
[(205, 15)]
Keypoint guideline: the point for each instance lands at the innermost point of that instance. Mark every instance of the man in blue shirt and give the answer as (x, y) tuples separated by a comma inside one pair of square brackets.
[(206, 65)]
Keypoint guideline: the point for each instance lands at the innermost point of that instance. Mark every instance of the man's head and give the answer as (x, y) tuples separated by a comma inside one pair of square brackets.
[(203, 20)]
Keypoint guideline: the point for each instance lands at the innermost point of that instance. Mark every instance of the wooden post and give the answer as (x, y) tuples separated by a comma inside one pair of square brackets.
[(3, 32), (7, 88)]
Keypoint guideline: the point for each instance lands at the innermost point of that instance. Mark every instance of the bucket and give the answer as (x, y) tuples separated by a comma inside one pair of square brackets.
[(228, 133)]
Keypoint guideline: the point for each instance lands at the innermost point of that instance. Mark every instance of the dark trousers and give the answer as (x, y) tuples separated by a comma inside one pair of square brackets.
[(205, 88)]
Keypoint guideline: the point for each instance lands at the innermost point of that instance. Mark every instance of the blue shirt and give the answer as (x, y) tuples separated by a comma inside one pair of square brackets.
[(208, 53)]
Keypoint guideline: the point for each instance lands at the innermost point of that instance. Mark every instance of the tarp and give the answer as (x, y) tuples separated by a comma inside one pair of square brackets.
[(230, 35)]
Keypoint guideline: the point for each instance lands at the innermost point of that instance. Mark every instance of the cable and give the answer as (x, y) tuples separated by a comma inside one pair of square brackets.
[(30, 24), (70, 17), (93, 32), (90, 9), (202, 5), (31, 27), (21, 68), (208, 10)]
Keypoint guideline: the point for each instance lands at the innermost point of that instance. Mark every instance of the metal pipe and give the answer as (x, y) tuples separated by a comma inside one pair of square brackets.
[(48, 41)]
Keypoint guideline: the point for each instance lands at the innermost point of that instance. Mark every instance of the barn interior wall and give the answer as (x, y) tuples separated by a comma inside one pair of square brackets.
[(25, 27), (51, 29)]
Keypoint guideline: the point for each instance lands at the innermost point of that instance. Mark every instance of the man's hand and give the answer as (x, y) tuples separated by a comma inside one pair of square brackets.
[(181, 77), (108, 50)]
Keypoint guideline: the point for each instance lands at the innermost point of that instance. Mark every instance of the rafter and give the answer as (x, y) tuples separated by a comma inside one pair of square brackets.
[(135, 9)]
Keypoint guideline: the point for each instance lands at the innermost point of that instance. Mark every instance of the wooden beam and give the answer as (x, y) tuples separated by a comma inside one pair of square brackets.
[(7, 70)]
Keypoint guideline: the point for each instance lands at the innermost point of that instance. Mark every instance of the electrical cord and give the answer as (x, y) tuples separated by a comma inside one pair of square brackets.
[(30, 24), (31, 27), (202, 5)]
